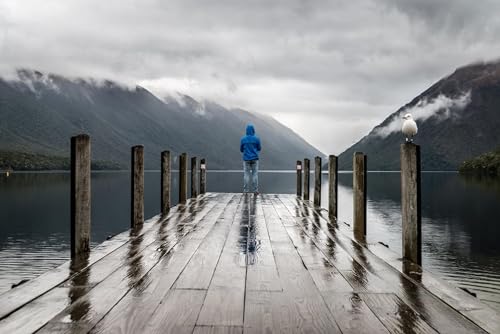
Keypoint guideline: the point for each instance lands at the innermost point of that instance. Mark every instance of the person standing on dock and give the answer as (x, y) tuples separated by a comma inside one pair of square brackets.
[(250, 147)]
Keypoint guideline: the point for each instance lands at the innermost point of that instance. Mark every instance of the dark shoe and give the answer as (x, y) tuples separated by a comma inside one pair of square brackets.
[(256, 193)]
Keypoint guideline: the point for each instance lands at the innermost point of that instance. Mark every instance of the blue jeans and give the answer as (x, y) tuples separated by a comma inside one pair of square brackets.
[(251, 175)]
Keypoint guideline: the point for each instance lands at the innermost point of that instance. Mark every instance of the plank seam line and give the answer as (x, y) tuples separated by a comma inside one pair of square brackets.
[(218, 260)]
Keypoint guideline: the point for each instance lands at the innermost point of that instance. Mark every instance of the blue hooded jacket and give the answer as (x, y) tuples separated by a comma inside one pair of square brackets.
[(250, 145)]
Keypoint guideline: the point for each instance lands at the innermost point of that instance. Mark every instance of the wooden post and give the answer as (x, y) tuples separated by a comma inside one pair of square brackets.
[(317, 181), (332, 187), (410, 202), (182, 178), (299, 178), (306, 179), (359, 192), (203, 176), (137, 182), (80, 195), (194, 173), (165, 182)]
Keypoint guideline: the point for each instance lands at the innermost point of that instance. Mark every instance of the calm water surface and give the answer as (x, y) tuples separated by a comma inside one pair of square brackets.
[(459, 218)]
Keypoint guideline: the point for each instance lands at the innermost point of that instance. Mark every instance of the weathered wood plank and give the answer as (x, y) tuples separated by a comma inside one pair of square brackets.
[(352, 314), (370, 273), (177, 313), (113, 279), (218, 330), (395, 314), (224, 303), (133, 312), (14, 299)]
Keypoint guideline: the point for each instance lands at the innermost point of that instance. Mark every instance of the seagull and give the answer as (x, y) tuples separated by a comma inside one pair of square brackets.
[(409, 128)]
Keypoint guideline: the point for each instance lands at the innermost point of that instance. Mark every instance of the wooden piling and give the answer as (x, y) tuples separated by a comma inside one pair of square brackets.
[(317, 181), (203, 176), (80, 195), (194, 174), (306, 179), (332, 187), (410, 202), (137, 182), (299, 177), (165, 182), (182, 178), (359, 195)]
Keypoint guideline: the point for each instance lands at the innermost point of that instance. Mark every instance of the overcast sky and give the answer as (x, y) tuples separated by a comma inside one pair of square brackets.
[(330, 70)]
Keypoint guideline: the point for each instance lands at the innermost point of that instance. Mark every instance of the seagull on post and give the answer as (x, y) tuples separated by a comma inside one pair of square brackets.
[(409, 128)]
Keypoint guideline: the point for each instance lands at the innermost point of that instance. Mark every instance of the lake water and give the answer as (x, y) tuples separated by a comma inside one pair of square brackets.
[(460, 219)]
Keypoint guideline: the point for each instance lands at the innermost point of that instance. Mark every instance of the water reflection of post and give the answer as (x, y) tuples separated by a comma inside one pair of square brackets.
[(252, 242), (162, 239), (135, 268), (79, 286), (317, 223), (244, 224), (409, 320)]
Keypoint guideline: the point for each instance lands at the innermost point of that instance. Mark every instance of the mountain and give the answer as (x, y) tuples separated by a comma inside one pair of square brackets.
[(40, 112), (458, 118)]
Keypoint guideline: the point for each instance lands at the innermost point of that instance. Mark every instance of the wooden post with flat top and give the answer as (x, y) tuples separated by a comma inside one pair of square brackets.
[(165, 182), (137, 182), (194, 174), (306, 179), (182, 178), (317, 181), (410, 202), (332, 187), (299, 178), (80, 195), (203, 176), (359, 195)]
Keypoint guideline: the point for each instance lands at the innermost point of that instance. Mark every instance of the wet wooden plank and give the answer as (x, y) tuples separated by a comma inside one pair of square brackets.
[(263, 278), (223, 307), (200, 269), (98, 301), (352, 314), (16, 298), (395, 314), (36, 313), (218, 330), (262, 273), (330, 280), (177, 313), (271, 312), (224, 302), (467, 305), (133, 312), (299, 291), (371, 274), (279, 312)]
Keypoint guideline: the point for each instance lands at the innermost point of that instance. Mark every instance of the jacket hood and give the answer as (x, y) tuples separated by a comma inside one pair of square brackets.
[(250, 130)]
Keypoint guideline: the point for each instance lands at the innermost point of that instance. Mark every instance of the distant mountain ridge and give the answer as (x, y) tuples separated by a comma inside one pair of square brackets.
[(459, 119), (39, 113)]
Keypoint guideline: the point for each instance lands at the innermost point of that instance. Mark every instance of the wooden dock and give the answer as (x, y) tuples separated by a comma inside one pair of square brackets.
[(239, 263)]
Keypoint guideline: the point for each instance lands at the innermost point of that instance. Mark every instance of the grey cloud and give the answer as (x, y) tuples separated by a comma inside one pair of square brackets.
[(337, 62)]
